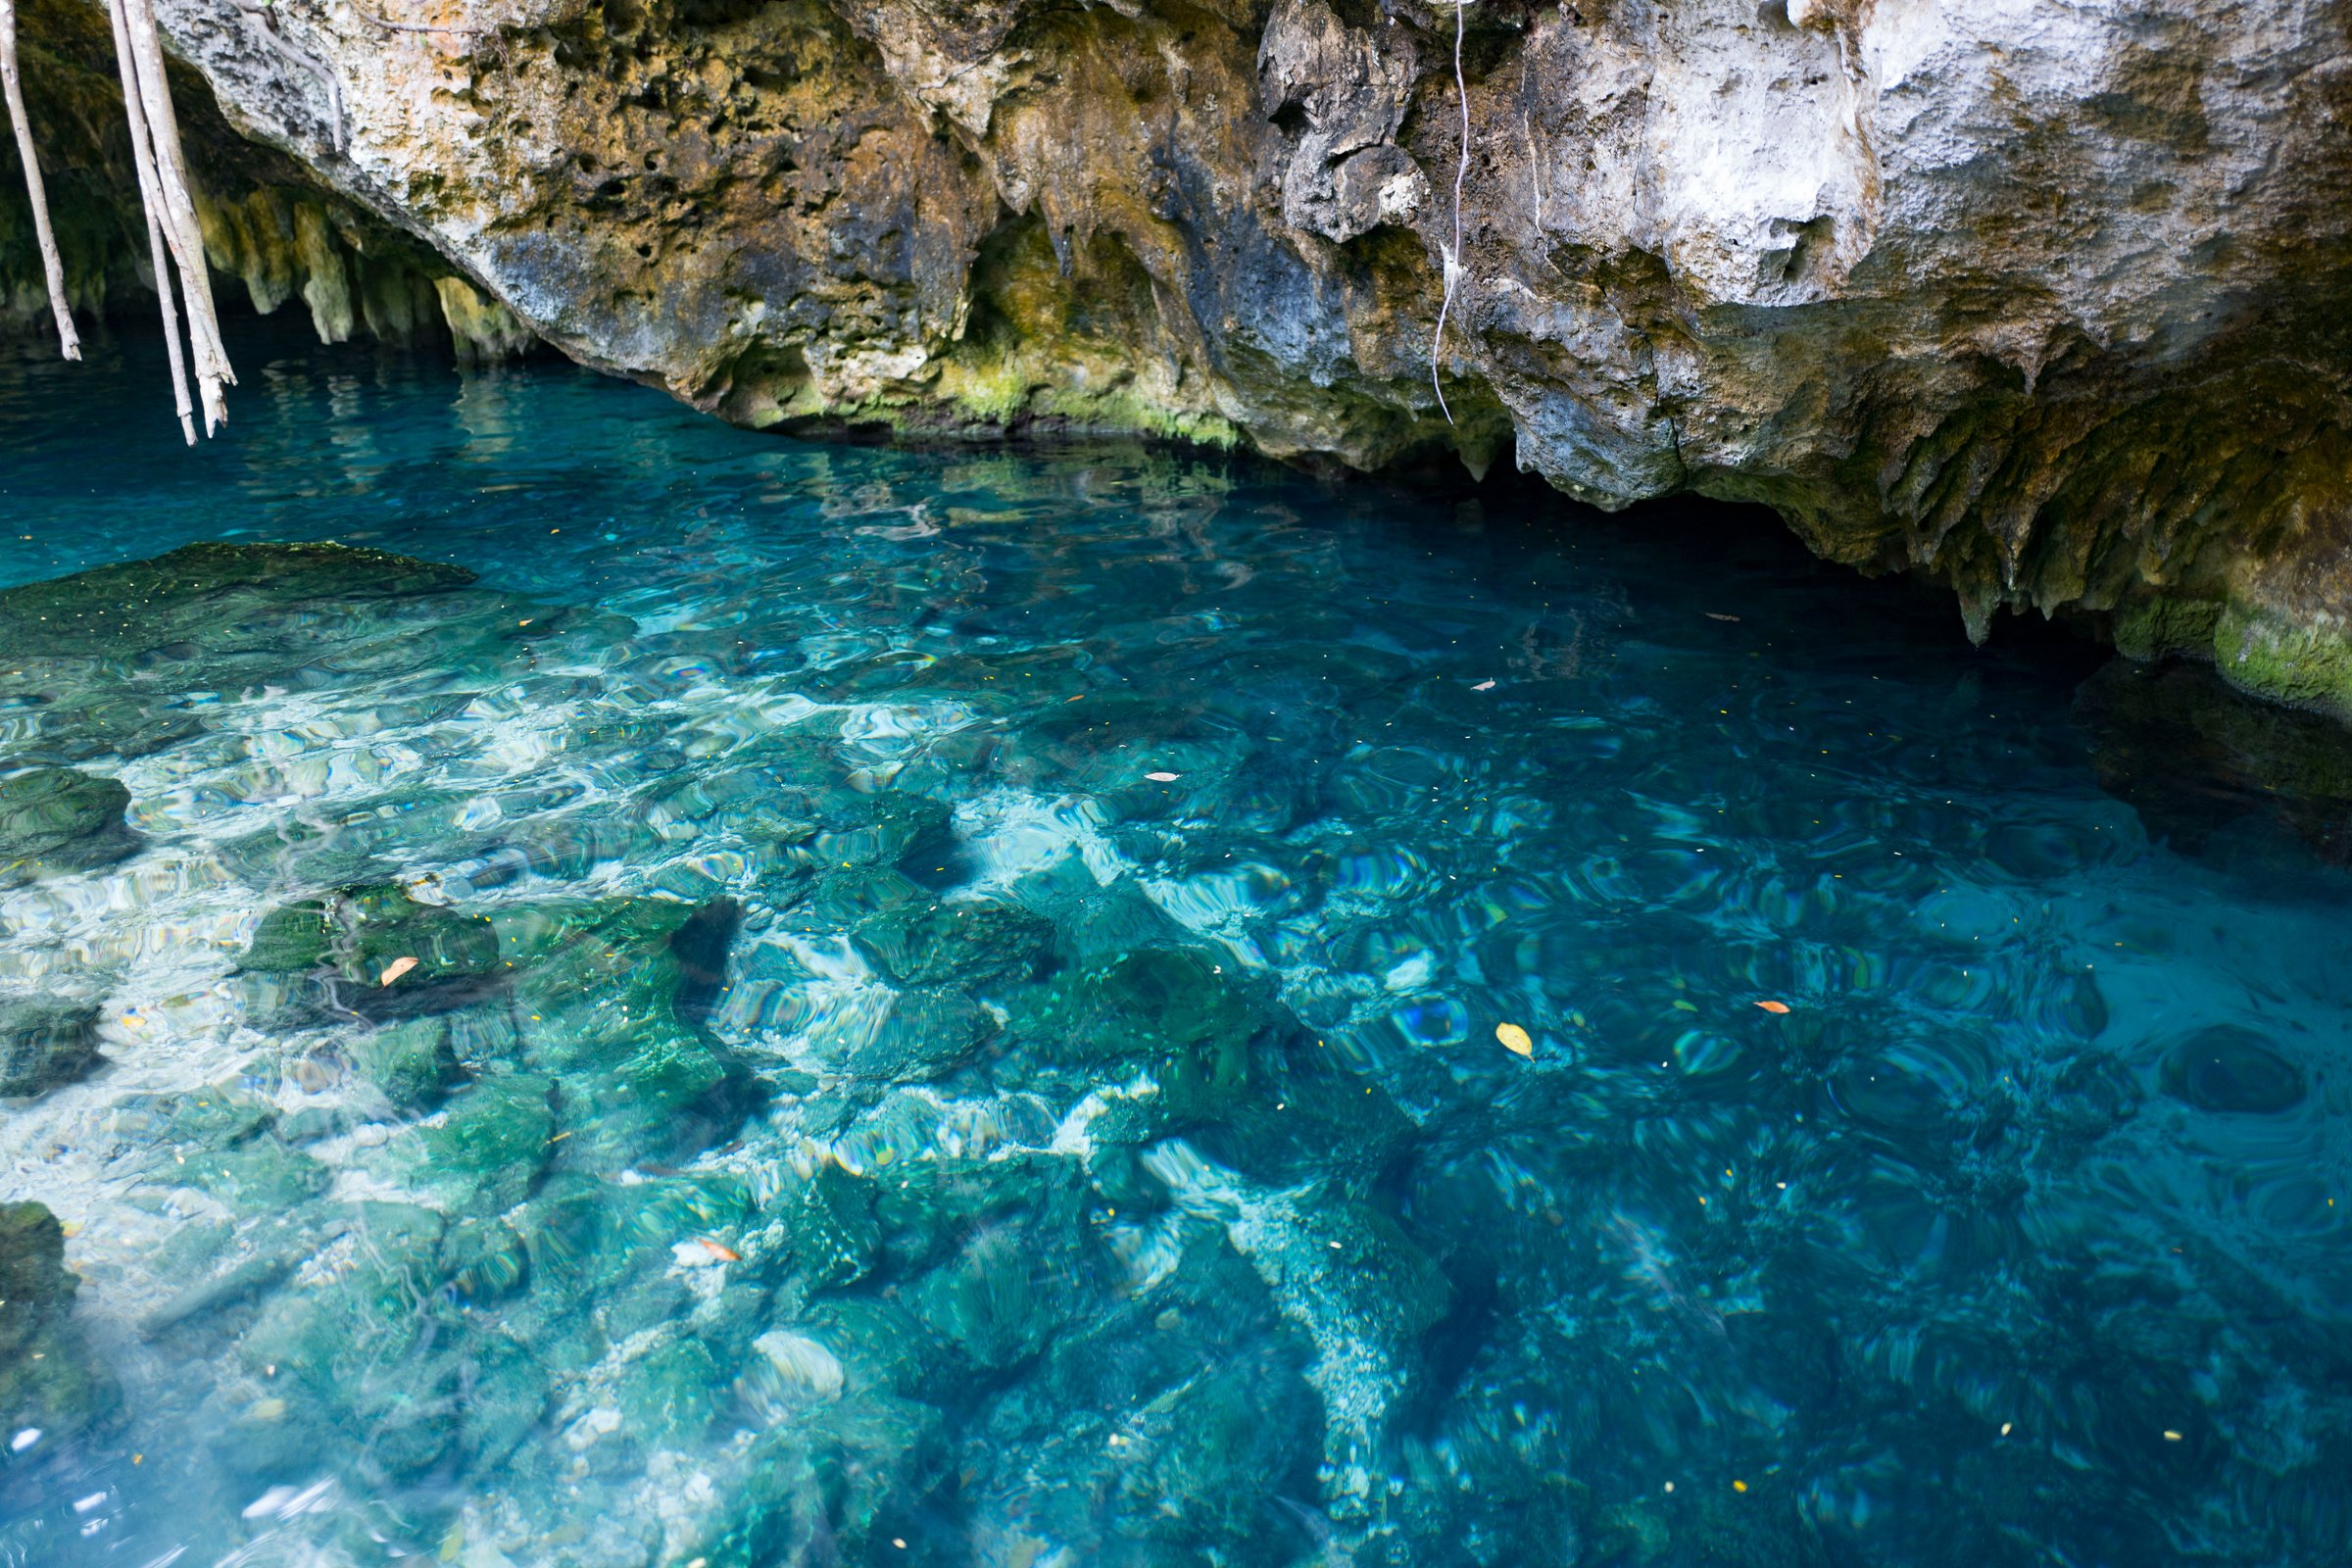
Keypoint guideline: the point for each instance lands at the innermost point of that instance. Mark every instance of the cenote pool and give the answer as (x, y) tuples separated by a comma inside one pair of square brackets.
[(694, 998)]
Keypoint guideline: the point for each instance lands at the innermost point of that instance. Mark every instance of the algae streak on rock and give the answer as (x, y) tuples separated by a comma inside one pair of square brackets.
[(2034, 300)]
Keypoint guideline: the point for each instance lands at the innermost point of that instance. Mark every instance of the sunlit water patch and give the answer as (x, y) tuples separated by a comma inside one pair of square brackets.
[(678, 997)]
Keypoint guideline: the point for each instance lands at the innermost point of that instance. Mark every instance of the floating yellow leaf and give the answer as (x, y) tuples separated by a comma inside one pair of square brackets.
[(395, 969), (1739, 1485), (1515, 1039), (1774, 1006)]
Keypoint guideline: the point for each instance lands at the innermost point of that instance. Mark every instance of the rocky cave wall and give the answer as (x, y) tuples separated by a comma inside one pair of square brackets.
[(2042, 301)]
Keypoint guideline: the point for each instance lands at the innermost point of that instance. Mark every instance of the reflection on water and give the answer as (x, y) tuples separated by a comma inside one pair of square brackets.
[(822, 1005)]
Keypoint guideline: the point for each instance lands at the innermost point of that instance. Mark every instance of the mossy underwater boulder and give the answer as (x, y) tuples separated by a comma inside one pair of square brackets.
[(107, 662), (201, 599), (660, 1085), (394, 954), (59, 820), (48, 1383), (46, 1044)]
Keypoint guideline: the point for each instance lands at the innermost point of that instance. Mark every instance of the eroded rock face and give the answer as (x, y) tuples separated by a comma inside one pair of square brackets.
[(2037, 300)]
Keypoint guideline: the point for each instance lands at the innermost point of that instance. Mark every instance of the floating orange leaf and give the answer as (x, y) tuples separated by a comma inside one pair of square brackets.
[(720, 1250), (1515, 1039), (1774, 1006), (395, 969)]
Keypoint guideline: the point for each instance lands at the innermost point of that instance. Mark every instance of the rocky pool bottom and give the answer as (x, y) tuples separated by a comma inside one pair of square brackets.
[(679, 999)]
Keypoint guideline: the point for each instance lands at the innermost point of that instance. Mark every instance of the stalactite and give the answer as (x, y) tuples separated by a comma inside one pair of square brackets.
[(52, 267)]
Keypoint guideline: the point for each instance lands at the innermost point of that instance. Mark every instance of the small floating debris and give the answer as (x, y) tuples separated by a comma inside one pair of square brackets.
[(395, 969), (1163, 778), (1515, 1039), (1484, 686), (1717, 615), (1773, 1007)]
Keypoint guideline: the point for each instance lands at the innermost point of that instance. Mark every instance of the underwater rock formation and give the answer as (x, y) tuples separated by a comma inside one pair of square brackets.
[(58, 819), (45, 1044), (50, 1389), (2037, 303)]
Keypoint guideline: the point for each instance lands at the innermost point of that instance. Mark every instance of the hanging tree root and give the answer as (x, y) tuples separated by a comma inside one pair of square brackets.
[(151, 203), (53, 269), (171, 228), (1452, 253)]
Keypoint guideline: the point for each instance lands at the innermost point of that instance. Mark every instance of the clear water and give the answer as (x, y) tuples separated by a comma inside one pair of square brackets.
[(1088, 1166)]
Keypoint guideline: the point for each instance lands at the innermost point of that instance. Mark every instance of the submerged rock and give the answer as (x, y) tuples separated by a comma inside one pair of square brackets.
[(49, 1385), (201, 606), (415, 1063), (2195, 757), (599, 986), (46, 1044), (2229, 1068), (391, 952), (960, 943), (55, 820)]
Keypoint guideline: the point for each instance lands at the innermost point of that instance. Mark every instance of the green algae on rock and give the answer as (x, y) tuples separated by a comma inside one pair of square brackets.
[(45, 1044), (199, 595), (49, 1384), (392, 952), (57, 819)]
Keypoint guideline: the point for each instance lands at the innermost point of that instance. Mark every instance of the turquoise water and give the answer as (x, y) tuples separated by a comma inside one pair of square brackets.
[(855, 1006)]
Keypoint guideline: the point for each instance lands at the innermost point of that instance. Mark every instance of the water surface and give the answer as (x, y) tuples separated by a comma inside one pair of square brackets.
[(961, 1016)]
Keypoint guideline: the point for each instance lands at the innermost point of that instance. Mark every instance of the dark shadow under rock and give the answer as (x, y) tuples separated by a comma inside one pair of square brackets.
[(2194, 756)]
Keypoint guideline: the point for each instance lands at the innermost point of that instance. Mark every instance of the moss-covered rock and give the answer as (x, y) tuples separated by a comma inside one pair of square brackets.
[(49, 1384), (207, 605), (964, 943), (46, 1044), (390, 952), (56, 819), (597, 990), (413, 1062)]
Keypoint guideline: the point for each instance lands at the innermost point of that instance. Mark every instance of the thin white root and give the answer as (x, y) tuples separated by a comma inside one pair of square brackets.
[(53, 269), (171, 228), (1454, 252), (151, 202), (180, 227), (161, 259)]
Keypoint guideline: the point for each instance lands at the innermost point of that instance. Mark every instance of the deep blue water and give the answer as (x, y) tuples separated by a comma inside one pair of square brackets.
[(1094, 886)]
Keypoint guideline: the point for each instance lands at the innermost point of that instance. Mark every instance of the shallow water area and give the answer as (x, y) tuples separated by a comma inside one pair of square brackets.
[(773, 1003)]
